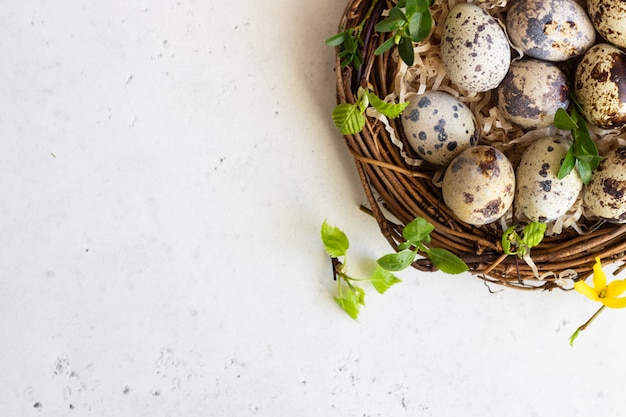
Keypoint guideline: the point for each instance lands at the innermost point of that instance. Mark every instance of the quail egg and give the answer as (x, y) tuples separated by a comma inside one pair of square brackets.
[(479, 185), (605, 195), (541, 195), (609, 18), (532, 92), (438, 126), (474, 48), (551, 30), (600, 85)]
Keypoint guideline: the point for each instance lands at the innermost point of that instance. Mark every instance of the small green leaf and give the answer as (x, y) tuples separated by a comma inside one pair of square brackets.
[(567, 165), (584, 170), (391, 110), (423, 5), (398, 14), (382, 279), (563, 121), (336, 39), (397, 261), (509, 237), (405, 48), (389, 24), (348, 118), (349, 304), (411, 7), (534, 233), (446, 261), (418, 230), (335, 240), (404, 246), (385, 46), (419, 26)]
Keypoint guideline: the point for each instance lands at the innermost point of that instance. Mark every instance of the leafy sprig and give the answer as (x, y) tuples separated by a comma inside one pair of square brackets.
[(583, 154), (349, 117), (351, 46), (515, 244), (351, 296), (410, 21)]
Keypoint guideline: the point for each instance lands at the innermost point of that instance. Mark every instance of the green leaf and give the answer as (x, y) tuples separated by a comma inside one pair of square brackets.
[(418, 230), (534, 233), (349, 304), (567, 165), (382, 279), (411, 7), (510, 236), (423, 5), (584, 170), (389, 24), (397, 14), (404, 246), (335, 240), (391, 110), (446, 261), (563, 121), (405, 48), (385, 46), (419, 26), (397, 261), (336, 39), (348, 118)]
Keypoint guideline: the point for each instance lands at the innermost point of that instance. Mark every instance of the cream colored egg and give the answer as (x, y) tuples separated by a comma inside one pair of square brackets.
[(609, 18), (541, 195), (438, 126), (605, 195), (474, 48), (532, 92), (479, 185), (551, 30), (600, 85)]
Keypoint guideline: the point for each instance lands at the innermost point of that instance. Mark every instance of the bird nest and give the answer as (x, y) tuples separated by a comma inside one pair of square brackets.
[(400, 187)]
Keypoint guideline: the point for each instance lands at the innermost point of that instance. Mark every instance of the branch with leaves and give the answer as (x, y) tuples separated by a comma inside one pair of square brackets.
[(583, 154), (350, 295)]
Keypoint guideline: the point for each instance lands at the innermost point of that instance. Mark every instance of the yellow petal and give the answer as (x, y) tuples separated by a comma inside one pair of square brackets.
[(599, 278), (614, 302), (616, 288), (586, 290)]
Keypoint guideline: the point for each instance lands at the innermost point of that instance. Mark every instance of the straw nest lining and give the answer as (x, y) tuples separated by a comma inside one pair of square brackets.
[(399, 188)]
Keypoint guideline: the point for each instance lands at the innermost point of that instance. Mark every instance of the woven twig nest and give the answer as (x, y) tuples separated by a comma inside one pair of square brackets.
[(399, 190)]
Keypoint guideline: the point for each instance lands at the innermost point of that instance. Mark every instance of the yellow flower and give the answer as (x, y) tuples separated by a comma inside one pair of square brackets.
[(601, 292)]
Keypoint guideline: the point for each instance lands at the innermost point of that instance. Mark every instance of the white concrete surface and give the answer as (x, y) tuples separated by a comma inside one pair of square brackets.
[(164, 169)]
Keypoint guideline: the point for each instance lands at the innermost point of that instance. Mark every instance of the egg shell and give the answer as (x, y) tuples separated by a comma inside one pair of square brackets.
[(474, 48), (605, 195), (438, 126), (541, 195), (532, 92), (551, 30), (609, 18), (600, 85), (479, 185)]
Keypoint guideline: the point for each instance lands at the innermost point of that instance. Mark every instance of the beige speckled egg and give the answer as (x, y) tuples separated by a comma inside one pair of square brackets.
[(479, 185), (541, 195), (609, 18), (474, 48), (551, 30), (605, 195), (438, 126), (600, 85), (532, 92)]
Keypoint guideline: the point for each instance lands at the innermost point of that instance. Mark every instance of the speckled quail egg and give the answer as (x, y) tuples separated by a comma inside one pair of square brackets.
[(541, 195), (438, 126), (479, 185), (605, 195), (600, 85), (474, 48), (609, 18), (531, 93), (551, 30)]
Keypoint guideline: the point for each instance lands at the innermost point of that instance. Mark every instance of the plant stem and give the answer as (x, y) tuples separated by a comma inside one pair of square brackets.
[(585, 325)]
